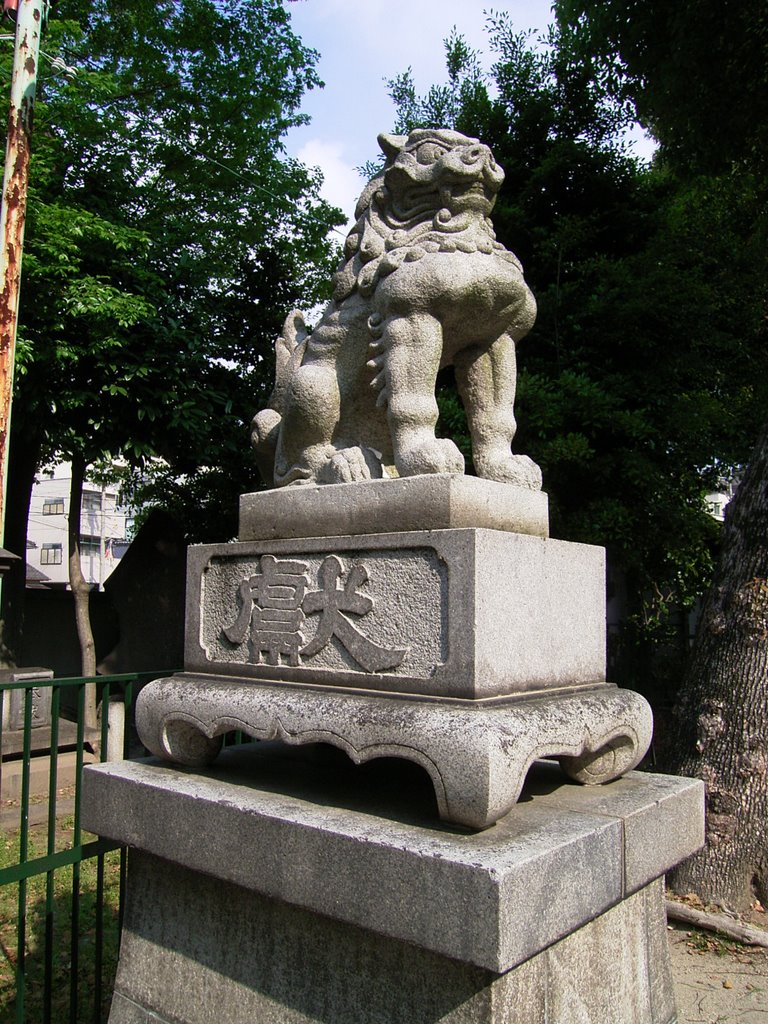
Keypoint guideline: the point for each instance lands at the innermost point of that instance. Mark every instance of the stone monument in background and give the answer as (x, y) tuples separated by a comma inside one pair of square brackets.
[(381, 601)]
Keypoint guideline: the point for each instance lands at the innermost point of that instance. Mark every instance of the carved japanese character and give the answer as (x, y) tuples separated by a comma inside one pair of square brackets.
[(271, 608), (335, 603)]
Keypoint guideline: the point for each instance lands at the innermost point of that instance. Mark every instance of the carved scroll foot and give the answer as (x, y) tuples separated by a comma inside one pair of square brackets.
[(187, 743), (476, 754)]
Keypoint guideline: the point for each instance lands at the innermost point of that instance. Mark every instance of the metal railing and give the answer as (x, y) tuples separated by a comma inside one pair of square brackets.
[(61, 890)]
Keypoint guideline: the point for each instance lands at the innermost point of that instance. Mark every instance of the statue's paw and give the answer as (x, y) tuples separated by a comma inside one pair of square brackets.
[(518, 470), (265, 427), (438, 455), (348, 465)]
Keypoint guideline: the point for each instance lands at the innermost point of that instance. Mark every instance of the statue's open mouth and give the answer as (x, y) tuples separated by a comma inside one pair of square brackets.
[(470, 195)]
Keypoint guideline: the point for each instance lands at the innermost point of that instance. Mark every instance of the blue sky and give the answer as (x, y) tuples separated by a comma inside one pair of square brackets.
[(363, 42)]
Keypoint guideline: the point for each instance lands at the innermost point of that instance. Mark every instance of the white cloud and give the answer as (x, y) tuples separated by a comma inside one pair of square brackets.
[(363, 42), (342, 184)]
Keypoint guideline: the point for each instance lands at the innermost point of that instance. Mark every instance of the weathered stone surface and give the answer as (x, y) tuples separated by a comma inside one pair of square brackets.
[(14, 704), (661, 815), (346, 916), (492, 899), (439, 501), (181, 962), (477, 755), (456, 613), (423, 284)]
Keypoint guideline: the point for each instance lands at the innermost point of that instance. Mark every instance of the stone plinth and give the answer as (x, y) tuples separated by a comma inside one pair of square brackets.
[(471, 651), (14, 704), (278, 889), (464, 613), (441, 501)]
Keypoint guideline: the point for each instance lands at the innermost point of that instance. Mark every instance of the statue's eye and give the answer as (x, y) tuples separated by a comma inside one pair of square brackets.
[(428, 152)]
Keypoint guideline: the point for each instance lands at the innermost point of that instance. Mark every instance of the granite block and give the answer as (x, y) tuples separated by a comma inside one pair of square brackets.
[(465, 613), (183, 962), (662, 815), (493, 899), (441, 501)]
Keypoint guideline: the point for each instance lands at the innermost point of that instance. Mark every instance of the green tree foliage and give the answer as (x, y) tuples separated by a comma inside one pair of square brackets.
[(167, 235), (695, 74), (167, 232), (645, 375)]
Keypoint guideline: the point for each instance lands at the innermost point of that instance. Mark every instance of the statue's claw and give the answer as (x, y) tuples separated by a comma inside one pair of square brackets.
[(350, 464), (438, 455), (518, 470)]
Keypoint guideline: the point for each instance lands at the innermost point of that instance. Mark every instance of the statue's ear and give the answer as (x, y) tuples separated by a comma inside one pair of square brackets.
[(392, 144)]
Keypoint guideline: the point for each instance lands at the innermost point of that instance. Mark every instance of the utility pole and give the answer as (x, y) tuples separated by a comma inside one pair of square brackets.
[(29, 24)]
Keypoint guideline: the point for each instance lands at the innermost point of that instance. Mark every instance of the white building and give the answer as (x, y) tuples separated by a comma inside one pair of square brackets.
[(718, 500), (102, 528)]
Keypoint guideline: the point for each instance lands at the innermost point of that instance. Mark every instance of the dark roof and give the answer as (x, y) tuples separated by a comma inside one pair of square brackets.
[(35, 576)]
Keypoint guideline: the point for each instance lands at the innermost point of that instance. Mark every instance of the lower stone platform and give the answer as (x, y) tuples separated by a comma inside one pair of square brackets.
[(260, 889)]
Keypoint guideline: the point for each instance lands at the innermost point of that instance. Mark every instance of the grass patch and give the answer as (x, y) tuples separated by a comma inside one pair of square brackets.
[(75, 990)]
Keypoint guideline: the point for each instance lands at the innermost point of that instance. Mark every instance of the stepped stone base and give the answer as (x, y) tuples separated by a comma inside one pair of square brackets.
[(251, 898), (471, 651)]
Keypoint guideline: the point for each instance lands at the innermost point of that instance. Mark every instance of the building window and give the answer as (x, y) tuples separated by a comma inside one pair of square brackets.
[(50, 554), (91, 501), (53, 506), (90, 545)]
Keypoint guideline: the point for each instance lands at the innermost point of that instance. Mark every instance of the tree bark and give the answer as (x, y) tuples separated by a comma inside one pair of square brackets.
[(722, 710), (81, 590)]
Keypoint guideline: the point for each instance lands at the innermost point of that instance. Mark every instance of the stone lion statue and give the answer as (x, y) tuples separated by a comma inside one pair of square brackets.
[(423, 284)]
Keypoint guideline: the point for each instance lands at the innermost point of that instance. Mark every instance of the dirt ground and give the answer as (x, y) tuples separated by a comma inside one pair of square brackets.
[(718, 981)]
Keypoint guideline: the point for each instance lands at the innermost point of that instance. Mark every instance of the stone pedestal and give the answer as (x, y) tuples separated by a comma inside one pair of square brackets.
[(459, 613), (472, 648), (271, 888), (476, 753), (284, 887)]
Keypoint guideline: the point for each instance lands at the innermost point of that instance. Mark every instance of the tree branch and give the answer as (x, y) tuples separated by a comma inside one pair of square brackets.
[(716, 923)]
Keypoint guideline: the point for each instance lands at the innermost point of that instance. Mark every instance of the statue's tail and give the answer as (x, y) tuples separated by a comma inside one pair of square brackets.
[(289, 351), (265, 426)]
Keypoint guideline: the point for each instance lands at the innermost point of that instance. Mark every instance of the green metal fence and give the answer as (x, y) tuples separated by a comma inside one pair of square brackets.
[(60, 888)]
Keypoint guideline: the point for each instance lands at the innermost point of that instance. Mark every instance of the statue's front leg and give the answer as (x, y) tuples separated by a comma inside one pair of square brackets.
[(487, 381), (410, 350)]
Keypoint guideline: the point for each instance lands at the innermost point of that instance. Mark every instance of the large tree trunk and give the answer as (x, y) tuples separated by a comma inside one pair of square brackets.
[(722, 711), (81, 590), (24, 453)]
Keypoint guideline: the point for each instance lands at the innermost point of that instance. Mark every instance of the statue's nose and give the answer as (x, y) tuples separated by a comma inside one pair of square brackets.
[(472, 154)]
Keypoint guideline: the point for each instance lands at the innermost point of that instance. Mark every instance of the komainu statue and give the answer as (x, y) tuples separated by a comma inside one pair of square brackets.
[(423, 284)]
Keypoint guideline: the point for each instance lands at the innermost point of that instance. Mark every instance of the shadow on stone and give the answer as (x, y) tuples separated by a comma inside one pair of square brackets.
[(322, 774)]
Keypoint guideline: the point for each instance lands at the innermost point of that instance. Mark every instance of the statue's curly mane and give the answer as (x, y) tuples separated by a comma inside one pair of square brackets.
[(400, 219)]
